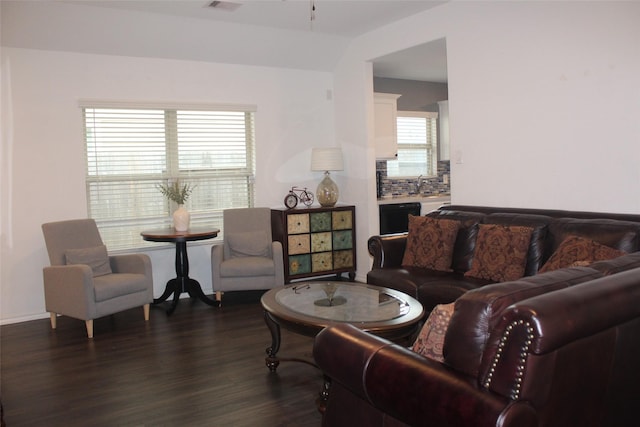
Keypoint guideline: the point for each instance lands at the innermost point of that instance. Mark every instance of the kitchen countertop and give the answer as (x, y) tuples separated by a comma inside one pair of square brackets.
[(405, 198)]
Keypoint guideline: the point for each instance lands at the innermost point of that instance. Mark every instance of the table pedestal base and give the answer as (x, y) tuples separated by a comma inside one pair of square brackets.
[(183, 283), (178, 286)]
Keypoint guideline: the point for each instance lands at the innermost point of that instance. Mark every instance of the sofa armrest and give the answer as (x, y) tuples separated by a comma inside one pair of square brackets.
[(409, 387), (589, 330), (387, 250), (580, 311)]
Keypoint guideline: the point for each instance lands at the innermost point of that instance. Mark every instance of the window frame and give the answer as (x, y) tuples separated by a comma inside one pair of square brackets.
[(430, 148), (203, 206)]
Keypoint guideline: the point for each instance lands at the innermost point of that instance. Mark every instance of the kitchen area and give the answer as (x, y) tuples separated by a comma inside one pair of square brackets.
[(395, 209), (400, 192), (399, 198)]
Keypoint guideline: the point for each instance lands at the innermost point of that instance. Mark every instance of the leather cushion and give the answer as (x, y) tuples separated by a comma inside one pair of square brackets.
[(617, 265), (576, 250), (621, 235), (95, 257), (430, 287), (430, 243), (430, 340), (501, 252)]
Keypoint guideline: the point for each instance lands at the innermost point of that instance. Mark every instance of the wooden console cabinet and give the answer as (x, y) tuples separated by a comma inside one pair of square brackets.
[(316, 241)]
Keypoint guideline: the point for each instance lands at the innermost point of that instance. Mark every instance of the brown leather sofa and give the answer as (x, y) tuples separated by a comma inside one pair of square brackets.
[(556, 349), (550, 228), (559, 348)]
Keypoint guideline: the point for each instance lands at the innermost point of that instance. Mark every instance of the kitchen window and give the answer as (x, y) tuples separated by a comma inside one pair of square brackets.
[(417, 145), (130, 149)]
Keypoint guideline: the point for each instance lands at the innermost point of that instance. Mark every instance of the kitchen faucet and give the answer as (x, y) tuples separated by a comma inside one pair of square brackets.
[(419, 183)]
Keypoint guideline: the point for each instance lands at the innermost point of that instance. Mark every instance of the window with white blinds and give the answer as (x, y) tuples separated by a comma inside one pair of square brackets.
[(417, 145), (130, 150)]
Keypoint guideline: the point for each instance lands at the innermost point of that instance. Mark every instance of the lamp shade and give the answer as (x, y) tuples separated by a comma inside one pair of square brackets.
[(326, 159)]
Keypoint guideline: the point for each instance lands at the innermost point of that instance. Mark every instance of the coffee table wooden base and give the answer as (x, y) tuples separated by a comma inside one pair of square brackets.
[(272, 360)]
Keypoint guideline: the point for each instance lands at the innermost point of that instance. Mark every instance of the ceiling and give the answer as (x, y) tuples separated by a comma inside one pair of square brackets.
[(343, 18), (348, 18), (426, 62)]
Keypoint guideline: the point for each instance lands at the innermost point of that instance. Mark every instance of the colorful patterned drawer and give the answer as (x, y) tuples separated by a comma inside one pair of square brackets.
[(316, 241)]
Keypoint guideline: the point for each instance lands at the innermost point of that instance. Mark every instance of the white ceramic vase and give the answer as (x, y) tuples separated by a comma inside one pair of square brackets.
[(181, 218)]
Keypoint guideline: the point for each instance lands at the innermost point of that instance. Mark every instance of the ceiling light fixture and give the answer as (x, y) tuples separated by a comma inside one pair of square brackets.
[(312, 13), (224, 5)]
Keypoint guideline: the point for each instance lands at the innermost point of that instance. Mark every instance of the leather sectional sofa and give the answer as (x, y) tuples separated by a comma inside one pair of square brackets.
[(550, 229), (557, 348)]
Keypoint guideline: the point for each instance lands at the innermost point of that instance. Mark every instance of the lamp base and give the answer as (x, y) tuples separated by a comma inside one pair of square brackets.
[(327, 192)]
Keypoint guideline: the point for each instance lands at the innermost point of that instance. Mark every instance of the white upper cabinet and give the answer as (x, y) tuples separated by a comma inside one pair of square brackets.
[(443, 106), (386, 114)]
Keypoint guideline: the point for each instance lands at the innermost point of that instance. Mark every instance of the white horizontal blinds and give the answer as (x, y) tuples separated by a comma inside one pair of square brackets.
[(130, 151), (215, 152), (126, 158), (417, 145)]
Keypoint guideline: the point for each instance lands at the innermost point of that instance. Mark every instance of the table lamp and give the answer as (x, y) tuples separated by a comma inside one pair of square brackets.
[(325, 160)]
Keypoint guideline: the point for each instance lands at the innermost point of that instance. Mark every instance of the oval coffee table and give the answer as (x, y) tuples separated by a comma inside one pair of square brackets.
[(304, 308)]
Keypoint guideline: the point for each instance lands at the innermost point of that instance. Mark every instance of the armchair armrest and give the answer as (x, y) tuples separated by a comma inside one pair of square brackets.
[(387, 250), (217, 256), (278, 257), (69, 289), (409, 387), (131, 263)]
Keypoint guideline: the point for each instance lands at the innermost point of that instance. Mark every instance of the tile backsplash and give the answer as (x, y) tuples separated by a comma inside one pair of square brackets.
[(404, 186)]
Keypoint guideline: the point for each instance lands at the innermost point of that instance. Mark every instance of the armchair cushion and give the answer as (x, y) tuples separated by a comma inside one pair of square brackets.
[(247, 267), (95, 257), (111, 286), (501, 252), (255, 244), (576, 249), (430, 243)]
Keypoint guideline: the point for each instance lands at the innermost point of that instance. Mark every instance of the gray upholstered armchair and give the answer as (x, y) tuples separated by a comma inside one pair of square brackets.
[(248, 259), (84, 282)]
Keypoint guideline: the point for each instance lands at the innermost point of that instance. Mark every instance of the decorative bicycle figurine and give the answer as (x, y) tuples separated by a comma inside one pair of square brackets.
[(298, 195)]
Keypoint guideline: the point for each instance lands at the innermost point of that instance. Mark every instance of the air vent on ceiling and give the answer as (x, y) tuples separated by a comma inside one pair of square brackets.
[(224, 5)]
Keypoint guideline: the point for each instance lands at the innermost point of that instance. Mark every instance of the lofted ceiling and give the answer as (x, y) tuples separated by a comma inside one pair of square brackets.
[(426, 62), (347, 18), (278, 33), (343, 18)]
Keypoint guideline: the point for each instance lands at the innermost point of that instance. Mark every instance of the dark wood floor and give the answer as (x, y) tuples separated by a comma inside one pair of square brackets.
[(202, 366)]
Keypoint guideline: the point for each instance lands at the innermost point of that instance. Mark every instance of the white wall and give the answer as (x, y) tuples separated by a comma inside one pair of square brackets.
[(43, 162), (543, 103), (544, 100)]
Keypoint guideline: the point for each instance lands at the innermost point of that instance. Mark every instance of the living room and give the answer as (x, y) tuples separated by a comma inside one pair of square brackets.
[(512, 68), (543, 102)]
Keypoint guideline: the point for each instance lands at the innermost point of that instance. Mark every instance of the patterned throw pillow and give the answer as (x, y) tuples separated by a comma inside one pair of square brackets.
[(578, 251), (501, 252), (430, 243), (430, 340)]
